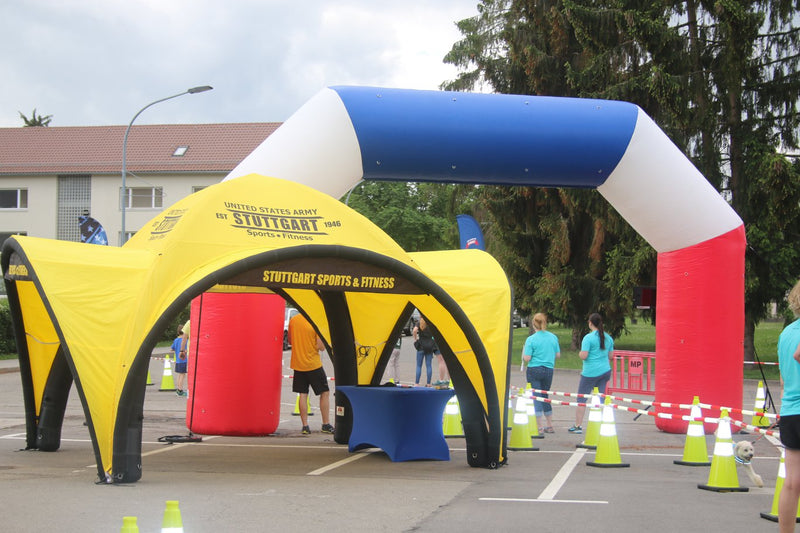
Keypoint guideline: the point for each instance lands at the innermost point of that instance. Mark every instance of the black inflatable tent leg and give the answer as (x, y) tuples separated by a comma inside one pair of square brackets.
[(54, 404)]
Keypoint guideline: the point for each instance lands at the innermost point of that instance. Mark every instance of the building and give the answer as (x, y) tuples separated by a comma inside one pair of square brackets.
[(49, 176)]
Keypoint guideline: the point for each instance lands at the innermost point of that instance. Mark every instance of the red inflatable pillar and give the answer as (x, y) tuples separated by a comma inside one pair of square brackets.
[(700, 327), (235, 355)]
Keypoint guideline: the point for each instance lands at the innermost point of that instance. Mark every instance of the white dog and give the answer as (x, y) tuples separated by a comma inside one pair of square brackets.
[(743, 452)]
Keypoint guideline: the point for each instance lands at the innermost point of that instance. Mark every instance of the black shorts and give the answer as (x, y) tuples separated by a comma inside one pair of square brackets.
[(789, 426), (315, 378), (587, 385)]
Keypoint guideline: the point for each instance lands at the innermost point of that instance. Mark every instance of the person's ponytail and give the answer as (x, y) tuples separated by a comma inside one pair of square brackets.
[(597, 321)]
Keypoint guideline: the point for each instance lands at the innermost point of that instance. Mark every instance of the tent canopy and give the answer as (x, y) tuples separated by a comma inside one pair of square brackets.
[(93, 314)]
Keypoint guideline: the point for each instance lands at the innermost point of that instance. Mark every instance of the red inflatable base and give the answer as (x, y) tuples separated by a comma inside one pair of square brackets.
[(700, 327), (234, 370)]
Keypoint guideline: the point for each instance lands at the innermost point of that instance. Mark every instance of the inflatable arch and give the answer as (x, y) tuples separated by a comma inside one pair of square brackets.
[(345, 134), (93, 314)]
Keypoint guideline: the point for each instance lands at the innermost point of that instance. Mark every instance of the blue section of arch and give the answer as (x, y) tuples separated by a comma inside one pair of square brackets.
[(497, 139)]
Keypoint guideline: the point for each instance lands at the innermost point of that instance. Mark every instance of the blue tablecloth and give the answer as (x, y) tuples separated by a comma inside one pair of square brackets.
[(404, 422)]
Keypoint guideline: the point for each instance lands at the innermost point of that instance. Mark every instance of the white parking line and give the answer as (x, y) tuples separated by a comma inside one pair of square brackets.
[(536, 500), (337, 464), (563, 474), (549, 493)]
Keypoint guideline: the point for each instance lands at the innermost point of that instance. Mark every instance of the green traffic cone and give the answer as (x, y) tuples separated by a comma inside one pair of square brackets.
[(172, 522), (167, 382), (451, 424), (520, 433), (607, 455), (695, 452), (129, 525), (595, 420), (723, 477)]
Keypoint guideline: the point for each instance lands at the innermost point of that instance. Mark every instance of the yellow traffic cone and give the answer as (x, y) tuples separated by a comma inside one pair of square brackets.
[(297, 406), (510, 409), (695, 452), (607, 455), (451, 424), (149, 379), (166, 380), (172, 522), (723, 477), (520, 433), (533, 423), (760, 420), (773, 514), (129, 525), (595, 421)]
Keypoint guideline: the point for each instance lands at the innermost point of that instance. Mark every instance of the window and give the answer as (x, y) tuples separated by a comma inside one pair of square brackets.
[(180, 151), (13, 198), (196, 188), (144, 198)]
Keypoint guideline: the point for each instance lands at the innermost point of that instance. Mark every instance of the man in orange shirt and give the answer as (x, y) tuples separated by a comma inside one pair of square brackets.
[(307, 365)]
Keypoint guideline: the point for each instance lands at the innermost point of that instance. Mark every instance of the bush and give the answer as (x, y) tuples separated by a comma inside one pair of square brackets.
[(7, 343), (169, 334)]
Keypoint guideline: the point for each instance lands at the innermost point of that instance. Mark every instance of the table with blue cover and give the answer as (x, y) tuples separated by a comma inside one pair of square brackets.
[(405, 422)]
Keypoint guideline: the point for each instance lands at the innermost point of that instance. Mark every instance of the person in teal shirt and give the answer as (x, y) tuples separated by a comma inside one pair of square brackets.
[(789, 422), (597, 349), (540, 351)]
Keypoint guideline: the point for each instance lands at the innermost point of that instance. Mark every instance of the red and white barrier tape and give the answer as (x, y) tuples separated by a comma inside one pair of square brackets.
[(666, 405)]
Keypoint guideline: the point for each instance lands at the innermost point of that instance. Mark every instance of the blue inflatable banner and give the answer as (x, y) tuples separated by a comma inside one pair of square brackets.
[(469, 232)]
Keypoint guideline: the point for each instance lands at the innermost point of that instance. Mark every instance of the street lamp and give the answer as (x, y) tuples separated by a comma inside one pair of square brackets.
[(124, 193)]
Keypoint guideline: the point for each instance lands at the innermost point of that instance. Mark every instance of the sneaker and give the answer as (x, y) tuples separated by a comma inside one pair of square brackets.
[(306, 430), (179, 392), (327, 428), (575, 429)]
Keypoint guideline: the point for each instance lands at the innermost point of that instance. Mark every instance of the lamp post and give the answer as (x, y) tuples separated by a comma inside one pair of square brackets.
[(124, 193)]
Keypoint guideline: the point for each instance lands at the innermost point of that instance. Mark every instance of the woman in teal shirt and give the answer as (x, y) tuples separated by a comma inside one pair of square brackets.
[(597, 348), (789, 422), (540, 351)]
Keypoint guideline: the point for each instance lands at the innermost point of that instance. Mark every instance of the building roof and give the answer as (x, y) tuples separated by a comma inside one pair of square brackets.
[(150, 148)]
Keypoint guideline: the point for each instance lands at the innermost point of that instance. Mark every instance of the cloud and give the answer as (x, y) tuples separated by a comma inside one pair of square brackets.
[(97, 62)]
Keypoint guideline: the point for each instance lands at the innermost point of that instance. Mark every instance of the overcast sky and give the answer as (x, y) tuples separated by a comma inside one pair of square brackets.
[(97, 62)]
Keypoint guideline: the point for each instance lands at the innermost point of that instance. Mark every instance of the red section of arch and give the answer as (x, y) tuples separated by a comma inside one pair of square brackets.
[(700, 326)]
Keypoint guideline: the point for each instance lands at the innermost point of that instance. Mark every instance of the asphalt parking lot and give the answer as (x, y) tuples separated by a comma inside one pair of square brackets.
[(291, 482)]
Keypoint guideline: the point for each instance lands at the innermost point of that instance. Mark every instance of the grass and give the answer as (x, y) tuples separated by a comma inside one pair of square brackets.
[(642, 337), (639, 337)]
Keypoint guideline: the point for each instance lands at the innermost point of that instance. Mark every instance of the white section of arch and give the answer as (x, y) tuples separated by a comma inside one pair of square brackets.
[(662, 195), (316, 146)]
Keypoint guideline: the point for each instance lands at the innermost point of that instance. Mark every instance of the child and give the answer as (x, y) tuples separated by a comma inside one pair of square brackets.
[(180, 364)]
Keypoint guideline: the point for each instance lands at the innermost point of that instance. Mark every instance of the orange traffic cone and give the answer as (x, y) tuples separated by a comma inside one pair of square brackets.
[(166, 380), (695, 452), (723, 477), (172, 522), (773, 514)]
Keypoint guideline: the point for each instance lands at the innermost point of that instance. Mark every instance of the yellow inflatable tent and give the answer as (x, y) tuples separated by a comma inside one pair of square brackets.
[(93, 314)]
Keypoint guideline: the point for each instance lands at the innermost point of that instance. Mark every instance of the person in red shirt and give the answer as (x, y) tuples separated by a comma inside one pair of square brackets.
[(307, 365)]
